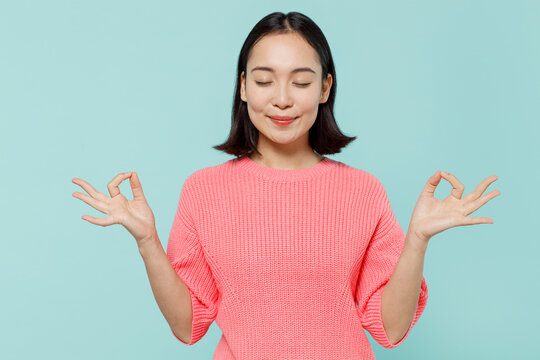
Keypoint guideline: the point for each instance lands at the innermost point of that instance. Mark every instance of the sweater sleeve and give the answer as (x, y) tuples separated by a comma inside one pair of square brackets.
[(186, 255), (380, 259)]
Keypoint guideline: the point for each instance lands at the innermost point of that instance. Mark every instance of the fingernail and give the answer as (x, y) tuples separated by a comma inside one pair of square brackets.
[(443, 173)]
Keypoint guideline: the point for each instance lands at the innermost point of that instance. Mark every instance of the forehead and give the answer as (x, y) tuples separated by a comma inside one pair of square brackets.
[(283, 53)]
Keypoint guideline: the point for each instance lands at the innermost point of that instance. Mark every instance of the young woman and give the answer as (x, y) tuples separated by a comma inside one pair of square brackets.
[(292, 253)]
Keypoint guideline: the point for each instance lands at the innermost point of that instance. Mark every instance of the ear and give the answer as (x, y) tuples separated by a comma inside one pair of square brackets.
[(243, 87), (326, 86)]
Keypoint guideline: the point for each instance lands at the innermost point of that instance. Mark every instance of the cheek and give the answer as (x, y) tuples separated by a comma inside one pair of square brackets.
[(257, 100), (309, 101)]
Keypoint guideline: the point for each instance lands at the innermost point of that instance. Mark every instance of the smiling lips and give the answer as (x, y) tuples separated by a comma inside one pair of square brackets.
[(282, 120)]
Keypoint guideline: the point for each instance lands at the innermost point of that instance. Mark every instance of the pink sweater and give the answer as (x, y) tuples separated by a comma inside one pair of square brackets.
[(290, 263)]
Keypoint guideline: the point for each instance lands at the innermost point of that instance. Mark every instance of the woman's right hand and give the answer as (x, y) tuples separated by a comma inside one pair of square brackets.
[(136, 216)]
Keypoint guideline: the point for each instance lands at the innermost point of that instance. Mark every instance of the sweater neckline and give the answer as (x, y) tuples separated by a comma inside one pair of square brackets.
[(246, 163)]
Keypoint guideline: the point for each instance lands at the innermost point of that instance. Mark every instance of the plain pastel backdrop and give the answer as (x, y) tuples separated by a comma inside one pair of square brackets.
[(93, 89)]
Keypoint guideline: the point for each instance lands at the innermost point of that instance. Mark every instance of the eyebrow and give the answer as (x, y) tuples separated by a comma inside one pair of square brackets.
[(266, 68)]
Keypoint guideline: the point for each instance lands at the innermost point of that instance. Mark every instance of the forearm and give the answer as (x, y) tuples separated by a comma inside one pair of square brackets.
[(171, 293), (400, 295)]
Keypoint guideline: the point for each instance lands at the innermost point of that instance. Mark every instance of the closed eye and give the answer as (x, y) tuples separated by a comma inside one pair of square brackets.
[(268, 82)]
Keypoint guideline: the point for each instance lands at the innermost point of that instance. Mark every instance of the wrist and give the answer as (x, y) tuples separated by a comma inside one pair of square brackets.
[(148, 243), (415, 242)]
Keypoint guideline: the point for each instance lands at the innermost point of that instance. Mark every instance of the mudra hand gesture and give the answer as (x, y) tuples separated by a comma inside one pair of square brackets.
[(136, 216), (431, 216)]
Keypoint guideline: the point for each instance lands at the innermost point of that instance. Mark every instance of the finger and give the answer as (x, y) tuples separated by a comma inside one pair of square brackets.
[(432, 183), (113, 185), (136, 186), (99, 221), (479, 190), (475, 205), (476, 220), (457, 186), (89, 189), (96, 204)]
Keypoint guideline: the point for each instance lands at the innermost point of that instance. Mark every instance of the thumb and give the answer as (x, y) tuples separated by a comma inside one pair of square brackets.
[(136, 186), (432, 183)]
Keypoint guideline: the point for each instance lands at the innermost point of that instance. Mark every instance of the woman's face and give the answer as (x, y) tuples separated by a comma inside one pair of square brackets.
[(272, 87)]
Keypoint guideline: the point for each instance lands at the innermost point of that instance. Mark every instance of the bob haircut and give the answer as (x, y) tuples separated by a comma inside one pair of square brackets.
[(324, 135)]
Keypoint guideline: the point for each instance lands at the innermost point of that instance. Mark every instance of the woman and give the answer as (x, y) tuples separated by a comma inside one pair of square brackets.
[(292, 253)]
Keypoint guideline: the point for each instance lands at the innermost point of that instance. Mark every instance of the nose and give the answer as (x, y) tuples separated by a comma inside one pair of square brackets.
[(282, 97)]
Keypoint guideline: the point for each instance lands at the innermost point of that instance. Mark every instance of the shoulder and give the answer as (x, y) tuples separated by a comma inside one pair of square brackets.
[(361, 176), (207, 175)]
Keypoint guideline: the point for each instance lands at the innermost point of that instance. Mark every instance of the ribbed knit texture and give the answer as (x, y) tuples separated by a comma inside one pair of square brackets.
[(280, 259)]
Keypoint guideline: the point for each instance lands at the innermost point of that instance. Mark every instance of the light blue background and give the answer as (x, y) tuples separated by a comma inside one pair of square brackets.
[(92, 89)]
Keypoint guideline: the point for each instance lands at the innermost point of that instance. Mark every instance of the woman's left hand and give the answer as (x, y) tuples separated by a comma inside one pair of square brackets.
[(431, 216)]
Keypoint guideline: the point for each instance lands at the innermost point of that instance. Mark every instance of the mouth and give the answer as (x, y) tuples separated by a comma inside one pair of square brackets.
[(282, 120)]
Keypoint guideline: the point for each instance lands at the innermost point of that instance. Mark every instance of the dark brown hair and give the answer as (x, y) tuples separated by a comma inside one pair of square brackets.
[(324, 136)]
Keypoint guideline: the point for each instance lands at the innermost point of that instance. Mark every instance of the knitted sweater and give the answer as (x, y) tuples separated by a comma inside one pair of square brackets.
[(290, 263)]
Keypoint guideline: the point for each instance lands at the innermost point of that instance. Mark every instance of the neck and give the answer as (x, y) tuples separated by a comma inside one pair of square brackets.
[(287, 161)]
